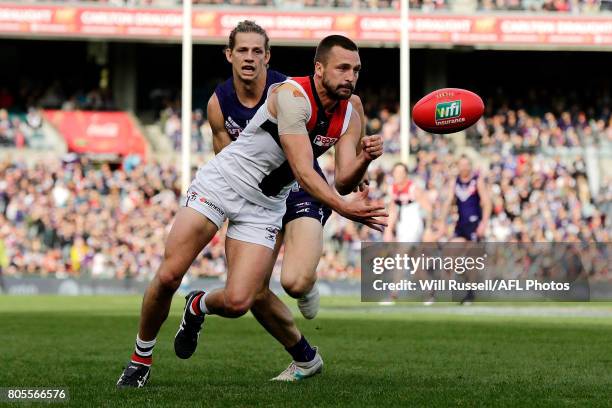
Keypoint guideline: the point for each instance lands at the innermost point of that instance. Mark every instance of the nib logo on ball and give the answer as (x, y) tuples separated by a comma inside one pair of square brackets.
[(448, 112)]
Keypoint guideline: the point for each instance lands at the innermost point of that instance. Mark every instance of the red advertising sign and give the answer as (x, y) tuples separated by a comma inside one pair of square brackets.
[(98, 132), (309, 26)]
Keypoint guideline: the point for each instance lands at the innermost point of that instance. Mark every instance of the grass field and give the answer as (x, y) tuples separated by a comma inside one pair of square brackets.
[(374, 356)]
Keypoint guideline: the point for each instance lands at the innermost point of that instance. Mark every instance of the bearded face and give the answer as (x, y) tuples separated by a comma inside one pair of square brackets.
[(338, 91), (340, 72)]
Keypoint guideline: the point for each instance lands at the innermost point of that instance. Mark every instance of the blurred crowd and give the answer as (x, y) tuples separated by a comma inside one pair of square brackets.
[(70, 217), (571, 6), (78, 218), (537, 179), (535, 198), (502, 130), (21, 130)]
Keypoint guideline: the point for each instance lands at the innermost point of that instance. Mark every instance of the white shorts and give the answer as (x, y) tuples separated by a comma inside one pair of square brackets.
[(211, 196), (410, 227)]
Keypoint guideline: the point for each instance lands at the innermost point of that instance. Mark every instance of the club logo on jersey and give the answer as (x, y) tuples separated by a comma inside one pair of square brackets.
[(325, 141), (463, 193), (233, 128), (448, 112)]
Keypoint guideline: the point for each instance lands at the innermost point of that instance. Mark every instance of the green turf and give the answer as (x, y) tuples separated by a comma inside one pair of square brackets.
[(374, 357)]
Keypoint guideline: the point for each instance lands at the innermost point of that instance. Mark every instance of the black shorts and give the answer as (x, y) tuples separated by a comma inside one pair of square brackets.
[(301, 204), (467, 231)]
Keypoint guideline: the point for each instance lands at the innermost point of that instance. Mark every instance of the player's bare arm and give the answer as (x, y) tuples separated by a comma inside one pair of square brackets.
[(354, 154), (291, 108), (358, 107), (215, 117)]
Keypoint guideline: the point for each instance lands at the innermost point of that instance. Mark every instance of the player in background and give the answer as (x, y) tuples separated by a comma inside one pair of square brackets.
[(230, 108), (248, 183), (469, 192), (407, 208)]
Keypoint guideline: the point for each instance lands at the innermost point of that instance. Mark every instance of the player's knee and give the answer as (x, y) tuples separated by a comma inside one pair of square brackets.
[(168, 280), (237, 305), (168, 274), (298, 286)]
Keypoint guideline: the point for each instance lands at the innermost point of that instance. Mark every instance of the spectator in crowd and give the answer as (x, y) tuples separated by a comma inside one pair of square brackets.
[(200, 131)]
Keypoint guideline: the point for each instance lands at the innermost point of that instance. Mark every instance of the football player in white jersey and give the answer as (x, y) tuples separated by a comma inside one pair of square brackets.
[(248, 183), (232, 105)]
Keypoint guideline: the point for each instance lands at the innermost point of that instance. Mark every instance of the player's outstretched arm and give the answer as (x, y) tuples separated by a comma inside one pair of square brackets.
[(353, 155), (292, 114), (299, 154), (215, 117)]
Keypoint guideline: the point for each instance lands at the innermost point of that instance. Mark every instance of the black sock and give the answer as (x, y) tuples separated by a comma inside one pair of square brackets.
[(301, 351)]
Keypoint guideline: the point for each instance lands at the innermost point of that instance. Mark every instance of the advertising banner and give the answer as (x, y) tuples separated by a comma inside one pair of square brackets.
[(98, 132), (214, 25)]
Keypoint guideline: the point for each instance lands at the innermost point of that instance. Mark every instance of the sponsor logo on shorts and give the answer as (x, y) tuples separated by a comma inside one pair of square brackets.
[(303, 203), (325, 141), (192, 195), (272, 233), (303, 210), (448, 112), (212, 206)]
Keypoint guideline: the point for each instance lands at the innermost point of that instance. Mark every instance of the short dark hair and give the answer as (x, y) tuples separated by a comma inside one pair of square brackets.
[(331, 41), (248, 26)]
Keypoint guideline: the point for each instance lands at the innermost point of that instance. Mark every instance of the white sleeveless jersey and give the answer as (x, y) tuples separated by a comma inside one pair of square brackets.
[(255, 165)]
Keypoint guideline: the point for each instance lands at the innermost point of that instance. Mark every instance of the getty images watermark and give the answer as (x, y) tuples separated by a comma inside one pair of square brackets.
[(487, 271)]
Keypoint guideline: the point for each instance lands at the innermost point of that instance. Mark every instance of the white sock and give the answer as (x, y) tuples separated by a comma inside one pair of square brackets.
[(144, 350), (203, 307)]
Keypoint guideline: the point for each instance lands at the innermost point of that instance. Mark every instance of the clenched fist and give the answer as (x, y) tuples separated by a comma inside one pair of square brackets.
[(372, 146)]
